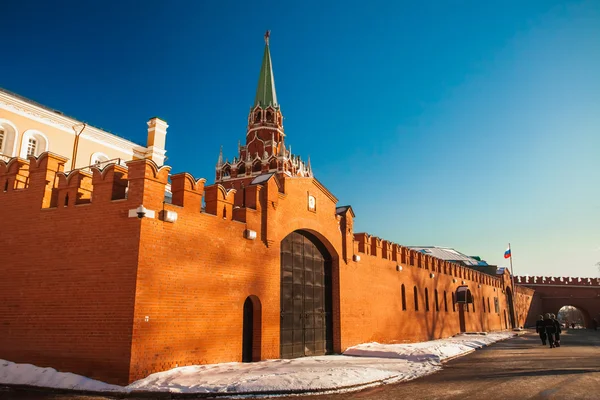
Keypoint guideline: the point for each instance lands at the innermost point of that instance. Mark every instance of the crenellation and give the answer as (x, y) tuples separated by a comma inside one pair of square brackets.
[(147, 183), (74, 188), (187, 191), (552, 280), (219, 201), (376, 249), (110, 183), (386, 250), (14, 174)]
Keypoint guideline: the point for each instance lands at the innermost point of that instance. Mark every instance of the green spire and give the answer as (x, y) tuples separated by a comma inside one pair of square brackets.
[(265, 93)]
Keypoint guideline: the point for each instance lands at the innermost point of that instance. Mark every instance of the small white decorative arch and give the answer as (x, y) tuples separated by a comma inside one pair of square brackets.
[(9, 141), (98, 158), (41, 142)]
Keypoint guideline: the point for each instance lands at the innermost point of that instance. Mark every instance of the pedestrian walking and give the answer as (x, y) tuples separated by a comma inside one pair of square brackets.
[(539, 328), (550, 328), (558, 331)]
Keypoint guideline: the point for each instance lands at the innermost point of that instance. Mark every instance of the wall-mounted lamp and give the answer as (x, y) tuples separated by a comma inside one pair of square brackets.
[(250, 234), (432, 275), (356, 258), (398, 267), (141, 212), (479, 285), (453, 280), (169, 216), (464, 283)]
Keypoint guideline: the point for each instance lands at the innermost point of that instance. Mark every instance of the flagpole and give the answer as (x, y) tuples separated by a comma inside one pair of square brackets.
[(514, 289)]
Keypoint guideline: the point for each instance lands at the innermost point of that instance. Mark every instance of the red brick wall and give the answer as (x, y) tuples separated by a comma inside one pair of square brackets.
[(68, 280), (118, 298), (551, 295)]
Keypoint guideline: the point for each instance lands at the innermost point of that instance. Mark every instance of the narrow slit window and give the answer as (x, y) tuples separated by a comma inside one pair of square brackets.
[(416, 298), (403, 298)]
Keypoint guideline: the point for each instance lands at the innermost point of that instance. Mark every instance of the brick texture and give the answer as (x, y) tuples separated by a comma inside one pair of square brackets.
[(87, 289)]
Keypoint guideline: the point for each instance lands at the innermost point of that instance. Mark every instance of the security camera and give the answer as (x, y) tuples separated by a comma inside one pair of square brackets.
[(141, 212)]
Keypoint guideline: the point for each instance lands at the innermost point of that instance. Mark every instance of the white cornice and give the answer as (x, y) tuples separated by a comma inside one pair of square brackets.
[(65, 124)]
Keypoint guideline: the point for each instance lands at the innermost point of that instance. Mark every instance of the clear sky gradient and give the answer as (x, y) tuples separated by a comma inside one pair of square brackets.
[(465, 124)]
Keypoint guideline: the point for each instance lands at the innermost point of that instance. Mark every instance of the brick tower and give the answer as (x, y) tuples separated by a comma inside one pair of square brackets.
[(265, 152)]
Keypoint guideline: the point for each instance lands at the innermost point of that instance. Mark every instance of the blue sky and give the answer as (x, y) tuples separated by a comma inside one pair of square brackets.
[(465, 124)]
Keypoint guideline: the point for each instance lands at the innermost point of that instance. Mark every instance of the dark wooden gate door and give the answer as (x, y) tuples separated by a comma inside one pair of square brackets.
[(306, 318)]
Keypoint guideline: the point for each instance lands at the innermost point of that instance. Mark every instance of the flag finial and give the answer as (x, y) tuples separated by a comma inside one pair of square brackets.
[(267, 35)]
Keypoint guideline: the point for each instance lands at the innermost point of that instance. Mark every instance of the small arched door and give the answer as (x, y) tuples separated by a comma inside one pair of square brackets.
[(251, 339), (306, 297)]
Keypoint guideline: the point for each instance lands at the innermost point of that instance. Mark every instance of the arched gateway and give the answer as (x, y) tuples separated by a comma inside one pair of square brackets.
[(306, 296)]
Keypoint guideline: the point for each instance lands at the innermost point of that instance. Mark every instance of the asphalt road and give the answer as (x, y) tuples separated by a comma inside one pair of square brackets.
[(519, 368)]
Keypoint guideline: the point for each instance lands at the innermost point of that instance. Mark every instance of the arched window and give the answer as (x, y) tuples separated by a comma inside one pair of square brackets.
[(2, 133), (437, 303), (241, 169), (273, 164), (257, 116), (403, 298), (445, 302), (416, 297), (99, 159), (270, 117), (226, 171), (34, 143), (426, 299), (8, 138), (256, 167)]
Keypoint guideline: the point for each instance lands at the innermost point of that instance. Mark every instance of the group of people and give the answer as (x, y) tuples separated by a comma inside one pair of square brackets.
[(549, 329)]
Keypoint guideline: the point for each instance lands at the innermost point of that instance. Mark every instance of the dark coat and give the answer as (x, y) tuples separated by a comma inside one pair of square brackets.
[(539, 326), (549, 326), (557, 326)]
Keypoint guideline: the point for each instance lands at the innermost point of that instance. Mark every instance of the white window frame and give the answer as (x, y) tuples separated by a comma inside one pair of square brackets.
[(32, 144), (42, 143), (98, 158), (2, 137), (11, 136)]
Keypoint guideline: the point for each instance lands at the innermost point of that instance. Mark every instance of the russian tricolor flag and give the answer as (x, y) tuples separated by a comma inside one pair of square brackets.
[(507, 253)]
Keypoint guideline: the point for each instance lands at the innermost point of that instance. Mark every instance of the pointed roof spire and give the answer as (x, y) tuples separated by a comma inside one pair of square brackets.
[(220, 161), (265, 93)]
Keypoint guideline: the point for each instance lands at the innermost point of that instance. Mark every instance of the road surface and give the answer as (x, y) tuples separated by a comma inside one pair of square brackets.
[(519, 368)]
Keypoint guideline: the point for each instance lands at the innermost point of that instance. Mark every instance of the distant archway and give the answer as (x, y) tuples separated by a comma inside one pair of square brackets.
[(570, 314)]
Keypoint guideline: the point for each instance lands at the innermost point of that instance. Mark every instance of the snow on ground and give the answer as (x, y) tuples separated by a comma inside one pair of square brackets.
[(27, 374), (359, 366)]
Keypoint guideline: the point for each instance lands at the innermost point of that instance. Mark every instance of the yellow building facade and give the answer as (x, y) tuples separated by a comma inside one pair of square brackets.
[(28, 128)]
